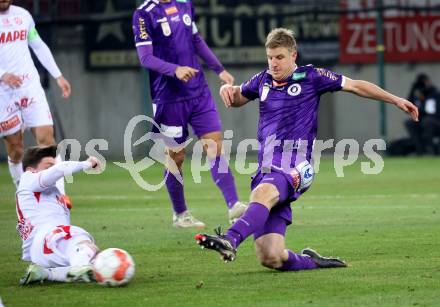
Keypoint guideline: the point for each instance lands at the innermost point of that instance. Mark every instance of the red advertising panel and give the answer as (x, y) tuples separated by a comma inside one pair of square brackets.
[(406, 39)]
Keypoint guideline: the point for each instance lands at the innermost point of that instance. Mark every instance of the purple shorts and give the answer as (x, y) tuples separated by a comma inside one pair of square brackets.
[(173, 118), (281, 215)]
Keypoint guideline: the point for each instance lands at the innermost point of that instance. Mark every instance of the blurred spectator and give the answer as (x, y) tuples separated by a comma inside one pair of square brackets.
[(425, 134)]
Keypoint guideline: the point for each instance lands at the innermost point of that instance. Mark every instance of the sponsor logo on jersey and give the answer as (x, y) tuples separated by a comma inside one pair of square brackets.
[(171, 10), (298, 76), (326, 73), (10, 123), (142, 29), (294, 89), (12, 36), (187, 19), (18, 20)]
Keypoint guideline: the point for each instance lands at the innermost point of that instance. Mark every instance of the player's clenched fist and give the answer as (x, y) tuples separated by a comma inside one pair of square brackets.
[(95, 163), (12, 80), (227, 94), (185, 73)]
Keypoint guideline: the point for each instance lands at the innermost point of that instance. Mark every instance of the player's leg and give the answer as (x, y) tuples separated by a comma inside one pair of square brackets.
[(270, 189), (271, 252), (206, 124), (172, 119), (15, 150), (79, 251), (270, 243), (222, 175), (44, 135), (62, 255), (11, 124)]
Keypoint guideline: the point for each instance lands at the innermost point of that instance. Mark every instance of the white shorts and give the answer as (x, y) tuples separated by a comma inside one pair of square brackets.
[(50, 248), (23, 108)]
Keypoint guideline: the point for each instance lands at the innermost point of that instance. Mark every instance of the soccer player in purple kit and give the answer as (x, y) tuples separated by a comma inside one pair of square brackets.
[(289, 97), (168, 44)]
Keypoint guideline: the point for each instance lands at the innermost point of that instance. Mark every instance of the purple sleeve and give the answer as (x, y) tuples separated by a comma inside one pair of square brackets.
[(144, 45), (327, 81), (142, 34), (149, 61), (206, 54), (250, 88)]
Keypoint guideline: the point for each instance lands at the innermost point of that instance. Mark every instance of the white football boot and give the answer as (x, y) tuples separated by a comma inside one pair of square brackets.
[(186, 220), (34, 274), (237, 211)]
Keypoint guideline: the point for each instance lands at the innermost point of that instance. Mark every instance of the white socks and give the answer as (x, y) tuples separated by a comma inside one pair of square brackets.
[(58, 273), (16, 169)]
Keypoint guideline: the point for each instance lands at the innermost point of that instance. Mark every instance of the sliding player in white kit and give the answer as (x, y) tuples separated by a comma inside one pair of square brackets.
[(23, 102), (58, 251)]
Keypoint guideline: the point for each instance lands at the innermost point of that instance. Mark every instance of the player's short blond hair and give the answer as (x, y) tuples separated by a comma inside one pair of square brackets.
[(281, 37)]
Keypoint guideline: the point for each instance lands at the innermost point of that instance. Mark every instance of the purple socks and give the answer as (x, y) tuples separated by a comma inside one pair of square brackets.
[(254, 218), (175, 191), (297, 262), (222, 176)]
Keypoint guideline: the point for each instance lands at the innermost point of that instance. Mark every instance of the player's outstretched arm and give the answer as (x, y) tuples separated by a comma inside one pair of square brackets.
[(232, 96), (369, 90), (48, 177)]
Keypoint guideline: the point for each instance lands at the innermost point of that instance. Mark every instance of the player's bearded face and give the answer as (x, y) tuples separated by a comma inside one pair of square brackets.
[(281, 62), (4, 5)]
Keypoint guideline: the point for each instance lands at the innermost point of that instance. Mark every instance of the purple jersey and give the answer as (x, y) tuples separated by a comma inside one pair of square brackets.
[(289, 113), (169, 28)]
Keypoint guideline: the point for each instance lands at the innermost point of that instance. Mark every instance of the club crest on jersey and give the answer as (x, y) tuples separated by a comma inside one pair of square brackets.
[(294, 89), (187, 19), (166, 29), (265, 92)]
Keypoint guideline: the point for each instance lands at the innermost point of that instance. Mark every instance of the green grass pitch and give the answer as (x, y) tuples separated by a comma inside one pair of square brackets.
[(387, 227)]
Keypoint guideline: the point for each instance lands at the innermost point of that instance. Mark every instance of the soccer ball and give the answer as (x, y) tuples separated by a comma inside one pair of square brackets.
[(113, 267)]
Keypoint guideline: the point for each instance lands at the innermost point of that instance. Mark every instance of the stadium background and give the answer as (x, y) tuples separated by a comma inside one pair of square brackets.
[(93, 44), (385, 226)]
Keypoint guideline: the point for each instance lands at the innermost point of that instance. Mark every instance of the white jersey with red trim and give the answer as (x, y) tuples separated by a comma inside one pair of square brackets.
[(40, 210), (15, 57), (40, 205)]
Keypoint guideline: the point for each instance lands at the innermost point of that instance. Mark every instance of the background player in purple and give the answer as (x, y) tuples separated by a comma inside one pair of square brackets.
[(168, 43), (289, 97)]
